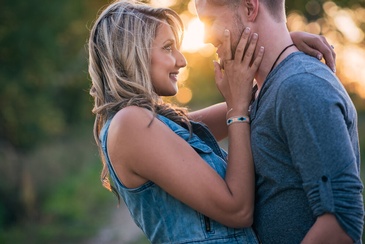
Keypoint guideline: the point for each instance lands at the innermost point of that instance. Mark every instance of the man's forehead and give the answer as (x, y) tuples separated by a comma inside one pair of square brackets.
[(206, 9)]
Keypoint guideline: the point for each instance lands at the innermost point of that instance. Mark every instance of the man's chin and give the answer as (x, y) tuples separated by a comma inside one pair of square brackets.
[(220, 51)]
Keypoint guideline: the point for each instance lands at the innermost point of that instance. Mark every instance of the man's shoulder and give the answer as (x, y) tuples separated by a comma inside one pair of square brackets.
[(301, 71), (299, 62)]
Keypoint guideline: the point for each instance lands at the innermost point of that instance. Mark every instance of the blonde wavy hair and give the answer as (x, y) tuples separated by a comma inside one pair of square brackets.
[(119, 64)]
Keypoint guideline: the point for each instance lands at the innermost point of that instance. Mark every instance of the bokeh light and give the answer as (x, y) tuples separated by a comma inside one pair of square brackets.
[(345, 23), (184, 95), (194, 36), (183, 75), (353, 66), (162, 3), (342, 29)]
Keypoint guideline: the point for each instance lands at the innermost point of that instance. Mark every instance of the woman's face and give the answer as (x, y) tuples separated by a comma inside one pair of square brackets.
[(166, 61)]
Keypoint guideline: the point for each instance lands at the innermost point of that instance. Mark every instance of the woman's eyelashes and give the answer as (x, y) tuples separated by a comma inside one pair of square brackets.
[(168, 47)]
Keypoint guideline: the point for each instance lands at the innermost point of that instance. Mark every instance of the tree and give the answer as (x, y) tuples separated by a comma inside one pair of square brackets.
[(44, 84)]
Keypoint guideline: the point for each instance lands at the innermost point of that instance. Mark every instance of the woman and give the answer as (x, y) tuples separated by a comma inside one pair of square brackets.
[(177, 183)]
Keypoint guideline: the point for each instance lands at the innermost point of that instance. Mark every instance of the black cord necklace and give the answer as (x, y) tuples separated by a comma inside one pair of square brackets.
[(280, 56), (255, 88)]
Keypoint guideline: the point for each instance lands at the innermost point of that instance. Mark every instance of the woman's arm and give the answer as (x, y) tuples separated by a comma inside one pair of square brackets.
[(214, 117), (316, 46), (141, 152)]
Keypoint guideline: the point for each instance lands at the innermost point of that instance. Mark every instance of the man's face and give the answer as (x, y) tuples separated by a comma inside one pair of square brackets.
[(218, 18)]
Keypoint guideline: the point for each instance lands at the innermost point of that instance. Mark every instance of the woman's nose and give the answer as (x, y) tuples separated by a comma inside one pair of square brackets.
[(181, 61)]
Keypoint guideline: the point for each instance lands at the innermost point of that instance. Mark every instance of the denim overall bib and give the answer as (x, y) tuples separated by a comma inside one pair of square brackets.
[(163, 218)]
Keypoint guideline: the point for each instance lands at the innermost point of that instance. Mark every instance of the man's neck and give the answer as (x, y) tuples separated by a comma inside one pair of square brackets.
[(275, 38)]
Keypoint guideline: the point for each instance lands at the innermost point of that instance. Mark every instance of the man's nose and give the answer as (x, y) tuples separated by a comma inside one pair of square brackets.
[(208, 36)]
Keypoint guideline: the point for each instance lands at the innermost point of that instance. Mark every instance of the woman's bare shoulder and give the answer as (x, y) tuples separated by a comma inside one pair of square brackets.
[(130, 119), (127, 141)]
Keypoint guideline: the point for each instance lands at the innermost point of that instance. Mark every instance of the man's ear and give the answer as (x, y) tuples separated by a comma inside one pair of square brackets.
[(252, 8)]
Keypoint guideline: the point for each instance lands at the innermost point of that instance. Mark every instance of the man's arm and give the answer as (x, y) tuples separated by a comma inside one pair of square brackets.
[(214, 117), (318, 122), (326, 229)]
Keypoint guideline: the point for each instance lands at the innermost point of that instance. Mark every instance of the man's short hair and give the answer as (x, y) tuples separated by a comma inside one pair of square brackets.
[(275, 7), (224, 2)]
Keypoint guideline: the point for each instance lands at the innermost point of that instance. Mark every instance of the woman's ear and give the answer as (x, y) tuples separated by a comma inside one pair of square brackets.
[(252, 8)]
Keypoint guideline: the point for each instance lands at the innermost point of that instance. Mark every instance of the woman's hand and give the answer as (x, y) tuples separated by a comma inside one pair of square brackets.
[(234, 77), (316, 46)]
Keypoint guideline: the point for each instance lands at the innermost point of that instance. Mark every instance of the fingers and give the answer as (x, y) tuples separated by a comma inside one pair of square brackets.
[(316, 46), (250, 50), (227, 51), (217, 72), (321, 49), (244, 53), (256, 63), (241, 47), (218, 75), (329, 55), (235, 82)]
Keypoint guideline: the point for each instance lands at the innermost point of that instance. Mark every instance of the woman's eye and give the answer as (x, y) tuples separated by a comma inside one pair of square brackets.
[(168, 48)]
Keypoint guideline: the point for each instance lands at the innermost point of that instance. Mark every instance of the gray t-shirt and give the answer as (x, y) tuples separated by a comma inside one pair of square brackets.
[(306, 152)]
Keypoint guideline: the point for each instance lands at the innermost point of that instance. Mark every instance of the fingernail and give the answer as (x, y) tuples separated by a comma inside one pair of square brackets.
[(254, 36), (319, 56), (226, 32), (334, 69), (247, 30)]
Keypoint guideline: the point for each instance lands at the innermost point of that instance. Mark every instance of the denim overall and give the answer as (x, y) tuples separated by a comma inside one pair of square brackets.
[(163, 218)]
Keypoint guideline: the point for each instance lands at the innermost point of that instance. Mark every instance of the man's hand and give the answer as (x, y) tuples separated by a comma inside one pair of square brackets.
[(326, 229)]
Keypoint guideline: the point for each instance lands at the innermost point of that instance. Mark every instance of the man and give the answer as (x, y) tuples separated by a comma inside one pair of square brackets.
[(303, 129)]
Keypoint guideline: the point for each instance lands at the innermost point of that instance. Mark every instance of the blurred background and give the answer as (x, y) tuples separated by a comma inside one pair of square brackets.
[(50, 190)]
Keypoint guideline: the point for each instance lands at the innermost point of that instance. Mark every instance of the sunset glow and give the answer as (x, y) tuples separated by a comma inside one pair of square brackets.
[(194, 36), (162, 3), (355, 69), (347, 26)]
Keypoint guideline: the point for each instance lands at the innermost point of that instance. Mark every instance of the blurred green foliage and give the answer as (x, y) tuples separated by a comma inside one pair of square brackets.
[(59, 198), (49, 167), (42, 78), (43, 72)]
